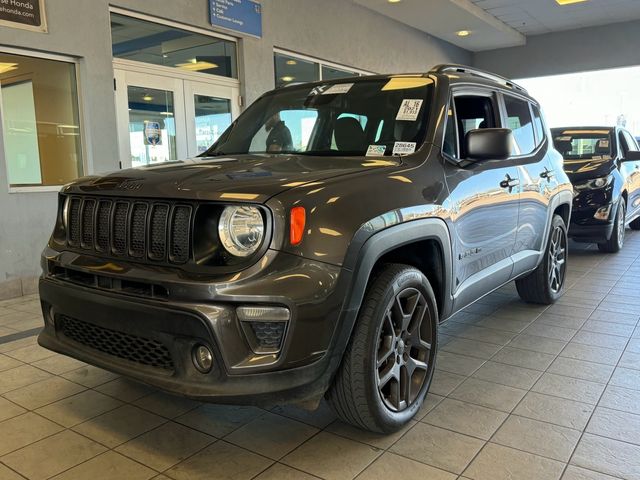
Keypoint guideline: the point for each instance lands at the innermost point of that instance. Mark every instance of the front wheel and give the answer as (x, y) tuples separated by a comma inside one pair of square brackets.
[(615, 243), (388, 365), (546, 283)]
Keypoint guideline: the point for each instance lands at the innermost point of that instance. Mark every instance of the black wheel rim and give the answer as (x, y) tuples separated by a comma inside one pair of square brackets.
[(404, 350), (620, 226), (557, 259)]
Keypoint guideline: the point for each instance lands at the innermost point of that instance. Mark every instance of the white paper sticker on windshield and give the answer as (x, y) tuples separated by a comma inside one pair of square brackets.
[(376, 150), (596, 157), (563, 139), (606, 157), (409, 110), (338, 88), (603, 143), (404, 148)]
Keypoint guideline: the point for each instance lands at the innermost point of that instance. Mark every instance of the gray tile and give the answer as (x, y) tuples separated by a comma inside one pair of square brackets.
[(561, 321), (390, 466), (608, 456), (271, 435), (591, 353), (615, 424), (166, 405), (9, 409), (79, 408), (124, 389), (619, 398), (570, 311), (8, 474), (278, 471), (550, 331), (626, 377), (58, 364), (600, 340), (488, 394), (608, 328), (20, 377), (576, 473), (377, 440), (117, 426), (108, 466), (30, 353), (571, 367), (437, 447), (52, 455), (488, 335), (539, 438), (44, 392), (20, 431), (538, 344), (219, 420), (524, 358), (444, 383), (332, 457), (319, 418), (496, 462), (556, 410), (507, 324), (471, 348), (465, 418), (459, 364), (508, 375), (604, 316), (227, 461), (89, 376), (571, 388), (7, 363), (165, 446)]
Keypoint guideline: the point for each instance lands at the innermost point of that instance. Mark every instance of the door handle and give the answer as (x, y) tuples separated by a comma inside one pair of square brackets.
[(548, 174), (509, 183)]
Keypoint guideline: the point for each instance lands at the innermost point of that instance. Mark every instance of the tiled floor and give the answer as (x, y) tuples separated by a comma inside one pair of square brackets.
[(520, 392)]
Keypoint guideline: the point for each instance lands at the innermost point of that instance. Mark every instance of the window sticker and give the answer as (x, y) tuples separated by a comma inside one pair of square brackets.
[(596, 157), (603, 143), (376, 150), (563, 139), (339, 88), (404, 148), (409, 110)]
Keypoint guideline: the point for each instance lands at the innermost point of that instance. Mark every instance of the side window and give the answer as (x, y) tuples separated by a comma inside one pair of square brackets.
[(519, 121), (538, 125), (632, 146), (450, 142), (472, 112)]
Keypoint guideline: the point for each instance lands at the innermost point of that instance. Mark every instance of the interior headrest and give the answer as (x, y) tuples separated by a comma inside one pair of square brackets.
[(349, 134)]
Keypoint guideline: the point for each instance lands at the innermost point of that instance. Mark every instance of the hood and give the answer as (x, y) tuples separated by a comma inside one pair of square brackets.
[(589, 168), (241, 178)]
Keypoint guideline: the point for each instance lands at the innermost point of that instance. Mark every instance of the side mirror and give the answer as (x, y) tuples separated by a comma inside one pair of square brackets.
[(632, 156), (489, 144)]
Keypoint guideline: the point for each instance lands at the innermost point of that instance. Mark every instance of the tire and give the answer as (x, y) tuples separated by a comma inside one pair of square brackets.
[(546, 283), (616, 242), (368, 389)]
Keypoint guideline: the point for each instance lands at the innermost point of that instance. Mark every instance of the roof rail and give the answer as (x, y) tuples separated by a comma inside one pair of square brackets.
[(452, 67)]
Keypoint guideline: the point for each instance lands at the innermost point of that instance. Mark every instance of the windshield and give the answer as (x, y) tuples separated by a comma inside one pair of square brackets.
[(584, 144), (366, 117)]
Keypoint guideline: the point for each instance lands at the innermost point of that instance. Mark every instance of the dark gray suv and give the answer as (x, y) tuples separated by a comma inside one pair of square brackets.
[(315, 247)]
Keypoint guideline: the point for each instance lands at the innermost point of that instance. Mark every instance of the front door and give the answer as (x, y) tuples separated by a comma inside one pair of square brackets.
[(484, 203), (166, 115)]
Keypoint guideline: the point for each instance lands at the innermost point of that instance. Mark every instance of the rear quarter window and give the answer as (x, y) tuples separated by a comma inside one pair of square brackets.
[(521, 124)]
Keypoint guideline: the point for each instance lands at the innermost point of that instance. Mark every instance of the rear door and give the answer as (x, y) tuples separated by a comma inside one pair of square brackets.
[(483, 200), (631, 171)]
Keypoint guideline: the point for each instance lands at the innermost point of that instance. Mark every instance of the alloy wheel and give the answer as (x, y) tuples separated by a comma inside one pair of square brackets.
[(404, 347), (620, 224), (557, 259)]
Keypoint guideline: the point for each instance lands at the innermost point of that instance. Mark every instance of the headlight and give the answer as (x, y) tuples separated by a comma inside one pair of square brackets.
[(241, 230), (594, 183)]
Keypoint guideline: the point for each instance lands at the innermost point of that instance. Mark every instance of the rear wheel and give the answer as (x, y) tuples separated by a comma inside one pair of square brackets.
[(388, 365), (615, 243), (546, 283)]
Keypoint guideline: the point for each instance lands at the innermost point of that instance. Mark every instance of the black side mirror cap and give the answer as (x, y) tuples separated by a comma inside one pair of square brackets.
[(632, 156), (489, 144)]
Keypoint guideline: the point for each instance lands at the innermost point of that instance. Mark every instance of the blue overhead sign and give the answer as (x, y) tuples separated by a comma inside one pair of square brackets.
[(244, 16)]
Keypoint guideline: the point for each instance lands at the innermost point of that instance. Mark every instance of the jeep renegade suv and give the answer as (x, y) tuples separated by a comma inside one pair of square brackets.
[(315, 247), (603, 163)]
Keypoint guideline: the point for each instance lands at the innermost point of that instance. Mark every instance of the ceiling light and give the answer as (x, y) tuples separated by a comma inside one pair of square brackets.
[(394, 1), (196, 66), (7, 67), (147, 98), (287, 78), (569, 2), (463, 33), (291, 62)]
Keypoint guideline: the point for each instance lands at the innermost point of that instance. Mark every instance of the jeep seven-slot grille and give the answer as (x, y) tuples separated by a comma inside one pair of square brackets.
[(133, 348), (137, 229)]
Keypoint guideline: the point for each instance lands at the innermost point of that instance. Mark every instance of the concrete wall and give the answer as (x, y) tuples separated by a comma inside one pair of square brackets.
[(572, 51), (334, 30)]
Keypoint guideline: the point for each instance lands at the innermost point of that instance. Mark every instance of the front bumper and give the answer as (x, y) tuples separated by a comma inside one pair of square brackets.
[(584, 226), (156, 330)]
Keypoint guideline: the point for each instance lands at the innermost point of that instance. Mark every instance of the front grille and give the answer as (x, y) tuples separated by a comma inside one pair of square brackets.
[(136, 229), (143, 351)]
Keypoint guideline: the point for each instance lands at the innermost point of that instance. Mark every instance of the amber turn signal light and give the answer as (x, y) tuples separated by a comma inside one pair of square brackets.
[(296, 225)]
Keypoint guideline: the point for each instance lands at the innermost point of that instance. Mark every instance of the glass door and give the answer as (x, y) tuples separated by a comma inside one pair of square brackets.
[(210, 109), (151, 118)]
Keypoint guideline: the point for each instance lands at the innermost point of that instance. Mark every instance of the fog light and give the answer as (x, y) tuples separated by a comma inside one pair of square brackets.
[(603, 213), (202, 358)]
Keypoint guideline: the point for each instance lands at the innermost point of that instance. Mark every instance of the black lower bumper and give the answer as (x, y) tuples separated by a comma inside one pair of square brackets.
[(590, 233), (177, 328)]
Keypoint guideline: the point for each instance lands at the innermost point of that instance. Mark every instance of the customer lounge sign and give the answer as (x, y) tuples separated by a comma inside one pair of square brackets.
[(27, 14)]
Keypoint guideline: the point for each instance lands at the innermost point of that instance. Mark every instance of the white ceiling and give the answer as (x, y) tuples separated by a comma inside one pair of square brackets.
[(533, 17), (502, 23)]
